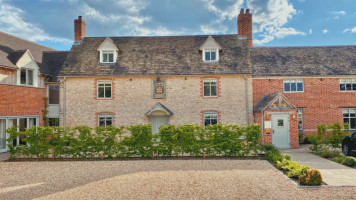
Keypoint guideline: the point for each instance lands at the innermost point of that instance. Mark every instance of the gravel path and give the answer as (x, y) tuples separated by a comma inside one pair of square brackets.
[(171, 179)]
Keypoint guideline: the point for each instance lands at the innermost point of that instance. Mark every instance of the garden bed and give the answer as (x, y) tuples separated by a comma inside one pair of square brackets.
[(259, 157)]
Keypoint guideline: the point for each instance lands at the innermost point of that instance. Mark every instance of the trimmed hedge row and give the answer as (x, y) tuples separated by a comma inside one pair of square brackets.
[(137, 140)]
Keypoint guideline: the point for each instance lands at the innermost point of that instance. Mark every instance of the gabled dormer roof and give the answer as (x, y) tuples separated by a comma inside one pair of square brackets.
[(210, 43), (108, 44), (274, 101)]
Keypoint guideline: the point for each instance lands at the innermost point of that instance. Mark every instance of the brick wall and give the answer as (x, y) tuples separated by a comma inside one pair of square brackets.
[(133, 98), (321, 100), (21, 100)]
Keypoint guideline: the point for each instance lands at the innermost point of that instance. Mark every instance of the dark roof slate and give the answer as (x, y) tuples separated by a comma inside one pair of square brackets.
[(147, 56), (14, 56), (52, 62), (263, 103), (304, 61)]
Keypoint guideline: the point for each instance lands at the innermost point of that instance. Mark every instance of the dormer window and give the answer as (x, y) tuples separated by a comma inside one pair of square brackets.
[(108, 51), (210, 55), (210, 50), (108, 56), (26, 77)]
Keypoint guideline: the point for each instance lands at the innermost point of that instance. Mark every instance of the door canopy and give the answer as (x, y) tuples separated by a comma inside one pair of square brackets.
[(274, 101), (159, 108)]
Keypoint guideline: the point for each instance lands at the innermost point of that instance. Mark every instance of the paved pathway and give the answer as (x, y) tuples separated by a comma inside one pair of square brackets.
[(333, 173), (4, 156)]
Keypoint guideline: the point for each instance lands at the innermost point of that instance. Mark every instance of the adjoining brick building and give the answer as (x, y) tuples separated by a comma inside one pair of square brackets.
[(25, 69)]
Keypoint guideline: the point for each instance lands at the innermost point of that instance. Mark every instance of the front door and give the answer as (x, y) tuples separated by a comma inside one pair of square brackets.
[(2, 135), (280, 128), (157, 121)]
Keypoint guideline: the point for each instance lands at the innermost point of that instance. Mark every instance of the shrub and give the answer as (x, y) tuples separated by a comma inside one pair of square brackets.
[(349, 161), (311, 177), (297, 171), (326, 153), (339, 159)]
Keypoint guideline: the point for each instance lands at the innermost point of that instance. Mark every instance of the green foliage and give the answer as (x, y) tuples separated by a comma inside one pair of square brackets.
[(339, 159), (311, 177), (272, 153), (84, 142), (325, 152), (45, 111), (349, 161), (326, 139), (140, 140)]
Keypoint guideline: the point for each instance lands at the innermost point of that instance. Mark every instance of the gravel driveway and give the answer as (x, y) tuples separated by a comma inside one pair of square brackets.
[(158, 179)]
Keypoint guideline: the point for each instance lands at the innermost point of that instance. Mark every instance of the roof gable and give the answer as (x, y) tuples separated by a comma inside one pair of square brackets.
[(210, 43), (107, 44), (274, 101)]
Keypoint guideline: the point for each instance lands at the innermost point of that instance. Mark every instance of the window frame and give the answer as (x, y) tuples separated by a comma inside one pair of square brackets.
[(349, 117), (105, 116), (107, 52), (297, 80), (105, 82), (48, 94), (210, 112), (56, 121), (345, 81), (206, 50), (27, 77), (216, 85), (300, 117)]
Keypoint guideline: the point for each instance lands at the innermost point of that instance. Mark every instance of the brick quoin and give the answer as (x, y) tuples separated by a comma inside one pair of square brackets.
[(21, 100), (322, 101)]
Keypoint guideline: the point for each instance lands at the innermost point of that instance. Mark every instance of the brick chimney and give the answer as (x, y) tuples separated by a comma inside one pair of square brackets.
[(79, 29), (244, 26)]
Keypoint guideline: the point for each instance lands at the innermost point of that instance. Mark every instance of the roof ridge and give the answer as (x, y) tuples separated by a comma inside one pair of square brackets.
[(154, 36), (304, 46), (16, 37)]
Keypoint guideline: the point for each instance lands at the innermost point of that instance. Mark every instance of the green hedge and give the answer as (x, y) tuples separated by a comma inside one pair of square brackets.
[(137, 140)]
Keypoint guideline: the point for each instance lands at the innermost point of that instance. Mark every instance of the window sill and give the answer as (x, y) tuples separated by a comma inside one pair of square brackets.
[(104, 98), (293, 91), (215, 61), (108, 63)]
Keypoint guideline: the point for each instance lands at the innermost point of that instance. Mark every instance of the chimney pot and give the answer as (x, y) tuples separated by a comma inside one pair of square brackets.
[(242, 11), (247, 11), (79, 17)]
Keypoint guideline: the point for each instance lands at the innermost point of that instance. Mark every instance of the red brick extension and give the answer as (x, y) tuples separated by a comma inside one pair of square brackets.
[(322, 101), (21, 100)]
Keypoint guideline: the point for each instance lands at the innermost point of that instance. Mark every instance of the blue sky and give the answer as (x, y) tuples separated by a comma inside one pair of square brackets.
[(275, 22)]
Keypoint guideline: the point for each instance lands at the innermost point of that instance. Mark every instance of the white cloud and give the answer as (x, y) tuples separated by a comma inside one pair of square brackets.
[(310, 31), (13, 21), (269, 18), (272, 33), (325, 31), (351, 30), (341, 12)]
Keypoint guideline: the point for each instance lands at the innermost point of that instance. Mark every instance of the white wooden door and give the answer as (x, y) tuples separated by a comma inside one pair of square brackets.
[(3, 146), (157, 121), (280, 131)]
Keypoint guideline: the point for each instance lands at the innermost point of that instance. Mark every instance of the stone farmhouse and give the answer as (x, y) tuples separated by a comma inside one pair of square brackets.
[(204, 79)]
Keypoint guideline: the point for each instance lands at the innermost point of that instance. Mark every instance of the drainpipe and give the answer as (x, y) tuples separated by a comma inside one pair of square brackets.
[(247, 105), (263, 125), (64, 103)]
